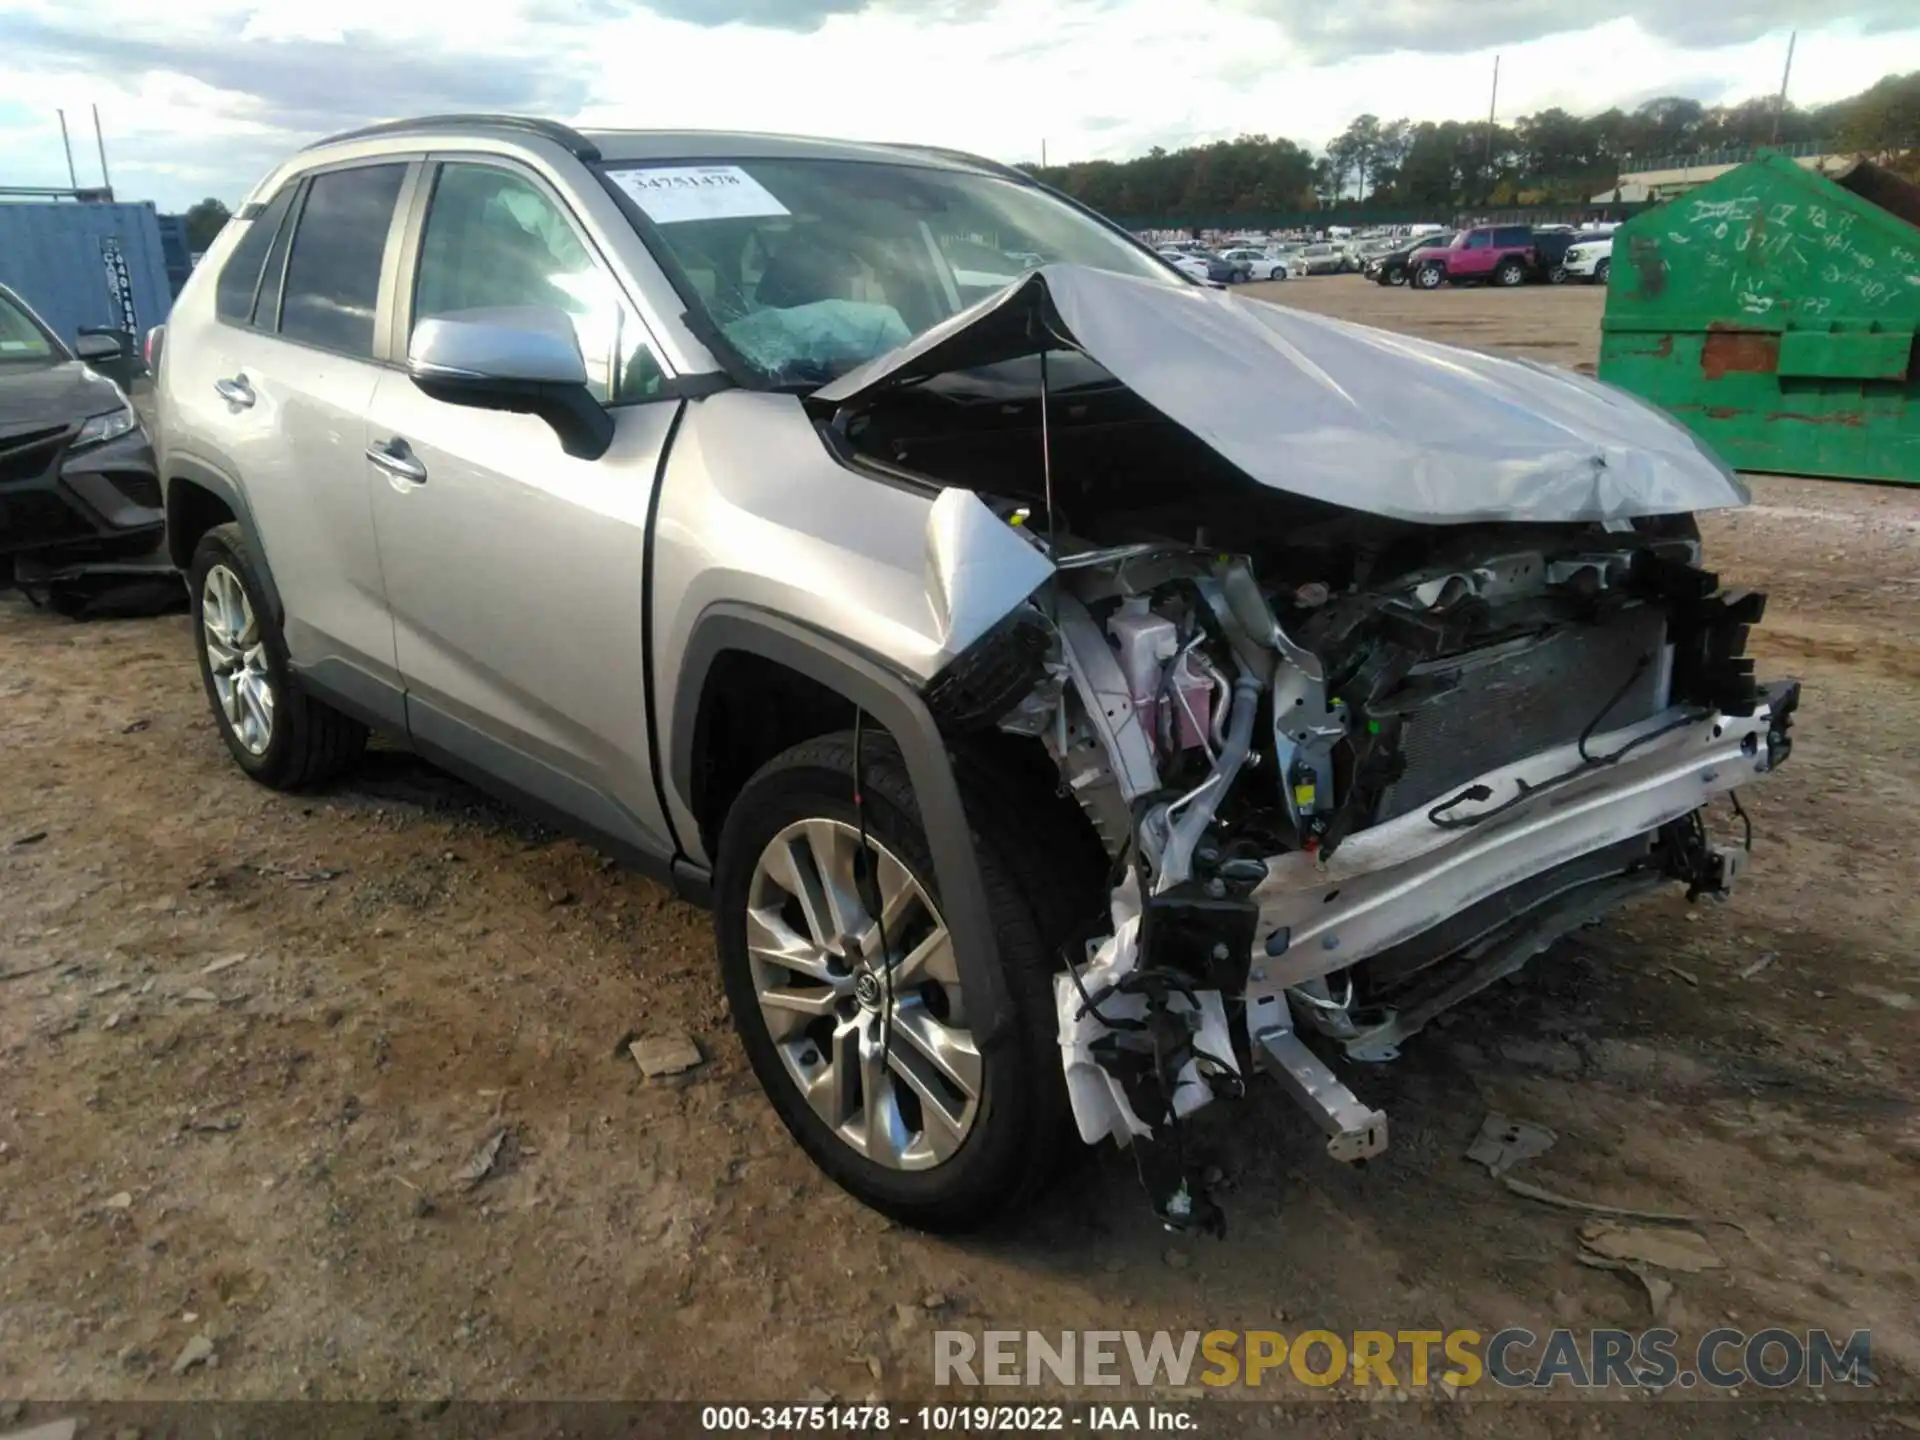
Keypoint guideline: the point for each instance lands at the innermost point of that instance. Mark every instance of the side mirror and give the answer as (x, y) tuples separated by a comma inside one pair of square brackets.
[(524, 359), (96, 348)]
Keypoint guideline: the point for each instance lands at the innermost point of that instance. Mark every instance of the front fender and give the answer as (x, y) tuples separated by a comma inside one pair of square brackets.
[(893, 704)]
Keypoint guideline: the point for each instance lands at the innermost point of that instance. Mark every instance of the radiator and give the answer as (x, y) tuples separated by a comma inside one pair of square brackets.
[(1516, 699)]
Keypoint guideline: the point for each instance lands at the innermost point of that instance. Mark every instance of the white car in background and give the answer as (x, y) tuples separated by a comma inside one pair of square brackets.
[(1261, 264), (1589, 258), (1191, 266)]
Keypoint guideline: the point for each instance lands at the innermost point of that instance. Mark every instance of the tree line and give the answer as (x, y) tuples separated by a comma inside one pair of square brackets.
[(1546, 158)]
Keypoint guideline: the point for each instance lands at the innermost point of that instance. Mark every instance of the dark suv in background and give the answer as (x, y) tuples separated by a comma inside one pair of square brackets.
[(1497, 254)]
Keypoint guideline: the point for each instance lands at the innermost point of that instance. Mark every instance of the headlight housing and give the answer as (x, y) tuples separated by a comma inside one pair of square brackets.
[(109, 426)]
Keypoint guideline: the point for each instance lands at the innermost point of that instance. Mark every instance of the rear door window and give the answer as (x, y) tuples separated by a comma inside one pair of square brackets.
[(1513, 235), (240, 276), (333, 272)]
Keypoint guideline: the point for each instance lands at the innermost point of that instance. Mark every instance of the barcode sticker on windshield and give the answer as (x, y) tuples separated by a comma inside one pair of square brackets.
[(697, 192)]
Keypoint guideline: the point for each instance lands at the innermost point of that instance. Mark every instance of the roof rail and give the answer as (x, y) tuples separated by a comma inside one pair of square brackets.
[(947, 152), (565, 136)]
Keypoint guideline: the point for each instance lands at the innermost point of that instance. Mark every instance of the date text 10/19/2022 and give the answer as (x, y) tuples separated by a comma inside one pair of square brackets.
[(944, 1419)]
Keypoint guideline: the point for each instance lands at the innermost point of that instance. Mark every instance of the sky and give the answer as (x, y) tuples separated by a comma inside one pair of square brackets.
[(201, 98)]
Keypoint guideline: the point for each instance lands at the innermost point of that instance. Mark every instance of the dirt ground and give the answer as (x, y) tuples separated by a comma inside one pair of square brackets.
[(248, 1042)]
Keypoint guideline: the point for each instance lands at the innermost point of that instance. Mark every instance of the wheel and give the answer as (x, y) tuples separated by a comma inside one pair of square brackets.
[(1511, 272), (1395, 274), (1428, 277), (1557, 275), (280, 736), (865, 1050), (1600, 271)]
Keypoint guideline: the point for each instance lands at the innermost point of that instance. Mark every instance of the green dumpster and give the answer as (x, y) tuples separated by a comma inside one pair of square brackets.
[(1773, 311)]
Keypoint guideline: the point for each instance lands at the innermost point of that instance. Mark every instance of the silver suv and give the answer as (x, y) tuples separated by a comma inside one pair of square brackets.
[(1068, 684)]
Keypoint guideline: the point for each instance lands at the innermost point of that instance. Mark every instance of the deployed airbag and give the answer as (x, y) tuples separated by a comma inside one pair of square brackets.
[(1337, 412), (827, 333)]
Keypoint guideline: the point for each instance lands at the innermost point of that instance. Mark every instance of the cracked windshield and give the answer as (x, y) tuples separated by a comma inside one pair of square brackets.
[(811, 267)]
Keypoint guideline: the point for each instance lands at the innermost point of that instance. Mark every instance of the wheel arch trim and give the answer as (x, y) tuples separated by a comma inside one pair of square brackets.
[(892, 703), (181, 469)]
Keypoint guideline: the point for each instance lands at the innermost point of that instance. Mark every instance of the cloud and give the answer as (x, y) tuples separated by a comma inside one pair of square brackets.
[(806, 16), (306, 86), (1321, 30), (206, 96)]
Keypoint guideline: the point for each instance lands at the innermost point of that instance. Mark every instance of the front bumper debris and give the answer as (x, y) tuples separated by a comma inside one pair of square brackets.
[(1315, 915), (1388, 883)]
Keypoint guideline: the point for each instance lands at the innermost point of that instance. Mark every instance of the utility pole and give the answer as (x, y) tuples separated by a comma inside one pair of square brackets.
[(1493, 105), (106, 181), (66, 144), (1043, 152), (1786, 75)]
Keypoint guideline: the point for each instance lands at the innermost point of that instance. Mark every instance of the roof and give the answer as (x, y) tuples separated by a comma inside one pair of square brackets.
[(617, 146), (625, 146)]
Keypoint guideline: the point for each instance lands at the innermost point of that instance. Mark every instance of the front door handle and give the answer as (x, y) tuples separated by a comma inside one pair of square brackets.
[(397, 459), (235, 391)]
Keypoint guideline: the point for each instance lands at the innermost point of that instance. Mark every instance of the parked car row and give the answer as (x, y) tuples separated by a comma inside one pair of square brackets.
[(1506, 255)]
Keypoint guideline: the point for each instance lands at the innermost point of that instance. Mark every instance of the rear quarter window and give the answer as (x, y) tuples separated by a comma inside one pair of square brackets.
[(240, 276)]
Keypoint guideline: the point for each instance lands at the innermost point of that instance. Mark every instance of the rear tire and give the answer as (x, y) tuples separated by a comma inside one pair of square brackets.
[(1429, 277), (280, 736), (1017, 1120), (1510, 273)]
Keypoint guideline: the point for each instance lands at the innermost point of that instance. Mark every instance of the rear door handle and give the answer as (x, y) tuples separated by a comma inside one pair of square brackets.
[(235, 391), (394, 457)]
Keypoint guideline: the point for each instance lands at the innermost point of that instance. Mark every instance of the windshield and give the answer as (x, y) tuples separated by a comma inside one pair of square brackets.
[(812, 267), (21, 337)]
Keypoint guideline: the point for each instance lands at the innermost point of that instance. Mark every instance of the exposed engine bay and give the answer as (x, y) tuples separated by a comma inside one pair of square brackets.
[(1349, 767), (1351, 797)]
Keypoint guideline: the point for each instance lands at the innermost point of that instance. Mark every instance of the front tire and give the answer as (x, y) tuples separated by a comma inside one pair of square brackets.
[(864, 1050), (280, 736), (1600, 271)]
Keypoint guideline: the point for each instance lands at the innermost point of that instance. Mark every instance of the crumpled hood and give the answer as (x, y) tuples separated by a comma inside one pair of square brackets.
[(35, 396), (1339, 412)]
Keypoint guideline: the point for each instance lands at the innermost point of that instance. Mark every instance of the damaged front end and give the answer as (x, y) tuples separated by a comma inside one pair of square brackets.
[(1357, 746)]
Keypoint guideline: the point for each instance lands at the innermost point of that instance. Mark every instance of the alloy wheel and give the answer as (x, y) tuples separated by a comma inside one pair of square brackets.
[(874, 1036), (237, 659)]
